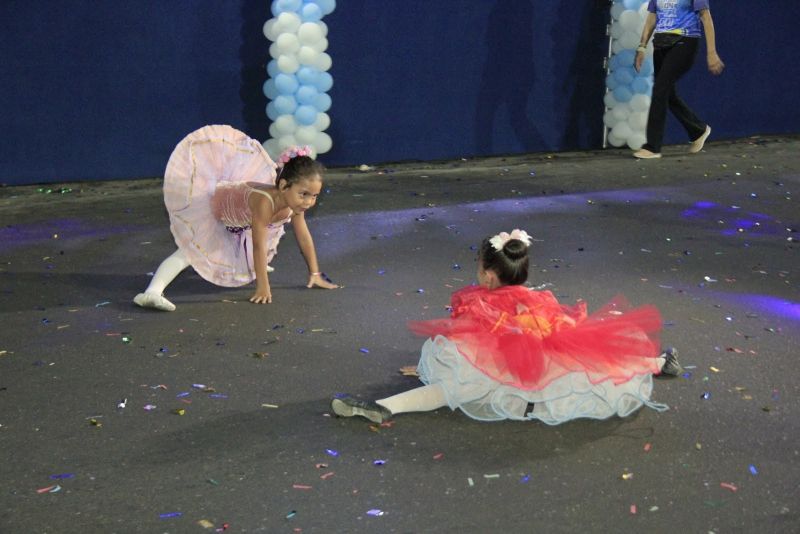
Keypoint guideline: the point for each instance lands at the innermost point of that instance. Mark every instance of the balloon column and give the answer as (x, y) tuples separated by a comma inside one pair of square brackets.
[(299, 79), (628, 92)]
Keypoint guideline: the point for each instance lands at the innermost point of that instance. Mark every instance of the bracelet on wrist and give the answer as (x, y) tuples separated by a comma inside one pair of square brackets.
[(315, 274), (641, 48)]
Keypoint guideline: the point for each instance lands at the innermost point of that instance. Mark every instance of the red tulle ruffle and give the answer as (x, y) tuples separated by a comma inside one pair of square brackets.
[(527, 339)]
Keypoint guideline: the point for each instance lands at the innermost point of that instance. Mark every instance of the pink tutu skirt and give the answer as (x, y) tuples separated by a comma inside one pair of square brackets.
[(202, 161)]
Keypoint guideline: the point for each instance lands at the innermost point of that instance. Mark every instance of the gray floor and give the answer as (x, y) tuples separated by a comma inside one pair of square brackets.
[(711, 239)]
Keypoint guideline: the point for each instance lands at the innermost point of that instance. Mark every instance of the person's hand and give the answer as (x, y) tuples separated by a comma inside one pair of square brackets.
[(316, 280), (715, 64), (637, 63), (262, 296)]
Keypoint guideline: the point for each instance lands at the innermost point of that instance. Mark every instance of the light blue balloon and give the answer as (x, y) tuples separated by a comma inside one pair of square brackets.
[(285, 104), (284, 6), (326, 6), (647, 67), (272, 113), (641, 85), (310, 13), (624, 75), (632, 4), (324, 82), (306, 94), (286, 84), (305, 115), (270, 91), (611, 82), (322, 102), (625, 57), (307, 75), (622, 94), (272, 68)]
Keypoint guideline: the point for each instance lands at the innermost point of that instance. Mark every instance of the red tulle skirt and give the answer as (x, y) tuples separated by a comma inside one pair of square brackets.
[(527, 339)]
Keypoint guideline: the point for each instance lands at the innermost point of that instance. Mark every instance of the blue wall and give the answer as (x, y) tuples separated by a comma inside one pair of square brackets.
[(105, 89)]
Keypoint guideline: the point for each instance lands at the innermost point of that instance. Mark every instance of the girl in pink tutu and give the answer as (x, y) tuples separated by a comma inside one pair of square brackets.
[(227, 207), (508, 352)]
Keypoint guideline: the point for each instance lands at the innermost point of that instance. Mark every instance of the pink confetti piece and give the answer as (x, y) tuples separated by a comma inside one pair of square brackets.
[(301, 486), (728, 485), (633, 509), (647, 447), (48, 489), (438, 456), (327, 475)]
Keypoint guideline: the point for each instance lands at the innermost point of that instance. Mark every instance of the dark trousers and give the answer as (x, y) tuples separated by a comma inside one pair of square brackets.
[(670, 64)]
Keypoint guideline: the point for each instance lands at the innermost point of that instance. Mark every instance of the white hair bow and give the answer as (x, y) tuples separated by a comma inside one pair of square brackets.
[(500, 240)]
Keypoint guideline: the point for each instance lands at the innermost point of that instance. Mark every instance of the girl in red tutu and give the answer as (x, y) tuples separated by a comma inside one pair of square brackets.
[(508, 352), (227, 208)]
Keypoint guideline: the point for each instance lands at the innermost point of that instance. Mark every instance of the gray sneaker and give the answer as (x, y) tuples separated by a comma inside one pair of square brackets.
[(348, 406), (671, 367)]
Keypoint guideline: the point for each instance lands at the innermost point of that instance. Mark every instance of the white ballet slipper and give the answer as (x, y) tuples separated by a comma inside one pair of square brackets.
[(154, 301)]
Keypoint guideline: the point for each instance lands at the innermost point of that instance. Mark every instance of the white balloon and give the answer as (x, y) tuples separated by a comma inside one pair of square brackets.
[(616, 30), (274, 51), (608, 119), (636, 140), (643, 12), (323, 61), (285, 124), (288, 43), (307, 55), (609, 100), (629, 39), (323, 143), (640, 102), (306, 135), (613, 140), (321, 45), (616, 46), (289, 22), (638, 121), (631, 21), (309, 33), (273, 148), (621, 112), (288, 64), (616, 11), (285, 141), (323, 121), (269, 29), (323, 27), (622, 131), (273, 130)]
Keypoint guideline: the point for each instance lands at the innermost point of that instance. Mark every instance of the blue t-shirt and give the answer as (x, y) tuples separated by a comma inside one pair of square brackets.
[(678, 16)]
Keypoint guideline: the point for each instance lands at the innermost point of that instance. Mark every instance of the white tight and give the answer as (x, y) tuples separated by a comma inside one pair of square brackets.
[(421, 399), (167, 271)]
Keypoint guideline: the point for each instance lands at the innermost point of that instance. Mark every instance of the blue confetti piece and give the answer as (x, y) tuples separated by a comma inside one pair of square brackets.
[(753, 469), (456, 267), (332, 452), (300, 330), (218, 396), (379, 462), (170, 514), (68, 475), (365, 351), (525, 479), (382, 272), (375, 512), (181, 395), (705, 396), (420, 290)]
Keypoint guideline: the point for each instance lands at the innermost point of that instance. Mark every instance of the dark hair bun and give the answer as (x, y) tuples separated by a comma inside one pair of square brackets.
[(514, 249)]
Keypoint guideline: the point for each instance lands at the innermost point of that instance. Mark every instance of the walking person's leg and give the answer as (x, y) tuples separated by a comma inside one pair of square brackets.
[(670, 65)]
